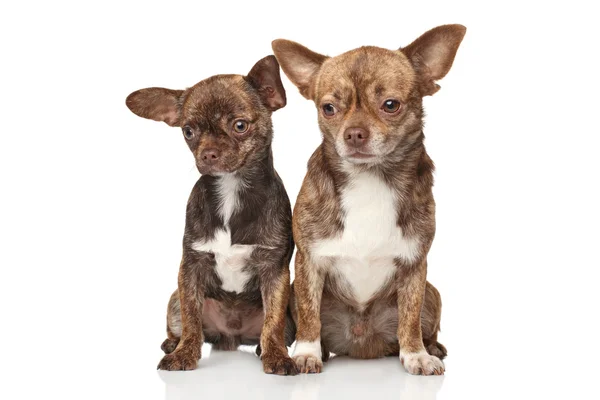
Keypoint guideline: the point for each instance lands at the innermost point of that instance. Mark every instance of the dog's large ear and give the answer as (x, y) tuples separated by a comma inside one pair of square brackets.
[(158, 104), (264, 77), (299, 64), (432, 54)]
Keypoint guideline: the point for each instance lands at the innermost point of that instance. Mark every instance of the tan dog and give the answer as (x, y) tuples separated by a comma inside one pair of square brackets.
[(365, 217)]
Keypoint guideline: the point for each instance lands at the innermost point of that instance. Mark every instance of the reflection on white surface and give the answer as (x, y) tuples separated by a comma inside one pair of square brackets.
[(229, 375)]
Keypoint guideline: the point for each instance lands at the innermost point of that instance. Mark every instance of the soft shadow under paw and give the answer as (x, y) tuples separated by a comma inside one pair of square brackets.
[(325, 354)]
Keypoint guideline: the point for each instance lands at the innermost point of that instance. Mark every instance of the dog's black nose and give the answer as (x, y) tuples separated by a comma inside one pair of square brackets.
[(356, 137), (210, 156)]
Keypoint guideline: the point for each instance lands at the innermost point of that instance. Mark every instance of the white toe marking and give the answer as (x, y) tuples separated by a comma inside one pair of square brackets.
[(308, 349)]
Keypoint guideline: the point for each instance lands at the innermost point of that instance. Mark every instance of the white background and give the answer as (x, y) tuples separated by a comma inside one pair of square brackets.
[(93, 197)]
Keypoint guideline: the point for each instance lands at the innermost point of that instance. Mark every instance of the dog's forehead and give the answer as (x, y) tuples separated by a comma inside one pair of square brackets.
[(217, 96), (368, 68)]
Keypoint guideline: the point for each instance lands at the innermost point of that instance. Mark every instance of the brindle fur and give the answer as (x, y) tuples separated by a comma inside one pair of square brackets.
[(261, 217), (359, 81)]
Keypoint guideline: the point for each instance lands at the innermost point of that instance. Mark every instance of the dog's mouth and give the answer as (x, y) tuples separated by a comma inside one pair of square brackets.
[(219, 168), (358, 155), (215, 170), (361, 156)]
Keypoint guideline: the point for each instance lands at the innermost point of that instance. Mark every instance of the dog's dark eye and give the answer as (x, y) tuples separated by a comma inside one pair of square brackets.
[(329, 110), (240, 126), (188, 132), (391, 106)]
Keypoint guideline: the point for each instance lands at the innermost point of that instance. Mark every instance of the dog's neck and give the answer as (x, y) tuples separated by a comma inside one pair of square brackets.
[(260, 168), (257, 174)]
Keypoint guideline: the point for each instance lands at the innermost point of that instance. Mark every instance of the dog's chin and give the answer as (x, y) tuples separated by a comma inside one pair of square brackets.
[(361, 160), (359, 157), (371, 156), (213, 170)]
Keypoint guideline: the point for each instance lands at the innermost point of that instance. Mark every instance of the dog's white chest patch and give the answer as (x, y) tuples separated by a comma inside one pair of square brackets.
[(363, 255), (230, 259)]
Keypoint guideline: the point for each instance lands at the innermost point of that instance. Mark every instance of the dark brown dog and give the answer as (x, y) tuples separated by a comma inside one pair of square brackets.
[(234, 275), (365, 216)]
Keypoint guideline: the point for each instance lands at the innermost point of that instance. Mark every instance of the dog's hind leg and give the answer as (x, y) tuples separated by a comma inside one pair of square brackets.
[(431, 315), (173, 324)]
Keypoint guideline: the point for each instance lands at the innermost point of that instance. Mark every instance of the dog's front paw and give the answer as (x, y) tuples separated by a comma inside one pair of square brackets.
[(422, 363), (308, 364), (279, 365), (307, 356), (178, 361)]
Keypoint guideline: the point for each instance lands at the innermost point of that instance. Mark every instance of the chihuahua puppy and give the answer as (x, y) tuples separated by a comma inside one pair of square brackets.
[(365, 216), (234, 278)]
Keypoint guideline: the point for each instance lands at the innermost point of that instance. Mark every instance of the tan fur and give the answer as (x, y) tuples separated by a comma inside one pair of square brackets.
[(404, 314)]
